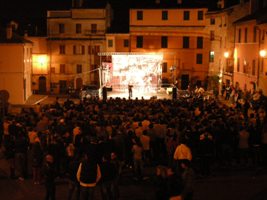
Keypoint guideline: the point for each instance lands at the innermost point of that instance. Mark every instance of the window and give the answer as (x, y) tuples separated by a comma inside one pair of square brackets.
[(199, 58), (62, 68), (186, 15), (212, 21), (238, 65), (78, 28), (61, 49), (200, 42), (246, 35), (185, 42), (212, 56), (200, 15), (110, 43), (139, 42), (139, 15), (212, 35), (245, 68), (164, 42), (78, 49), (126, 43), (239, 35), (254, 34), (253, 67), (79, 68), (61, 28), (164, 15), (164, 67), (93, 28)]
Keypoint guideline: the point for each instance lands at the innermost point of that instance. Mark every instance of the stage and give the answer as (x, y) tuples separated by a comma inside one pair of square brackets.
[(160, 94)]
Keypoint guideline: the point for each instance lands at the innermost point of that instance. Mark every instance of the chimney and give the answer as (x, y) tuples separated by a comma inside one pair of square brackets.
[(179, 2), (9, 32), (220, 4)]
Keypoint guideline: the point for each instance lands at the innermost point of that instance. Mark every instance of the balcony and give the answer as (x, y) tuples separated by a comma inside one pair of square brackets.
[(89, 32)]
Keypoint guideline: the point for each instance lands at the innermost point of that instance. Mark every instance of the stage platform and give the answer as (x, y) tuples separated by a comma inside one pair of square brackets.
[(161, 94)]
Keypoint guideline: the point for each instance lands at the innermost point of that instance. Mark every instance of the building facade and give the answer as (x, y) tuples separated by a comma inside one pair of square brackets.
[(74, 39), (15, 66), (222, 36), (179, 34), (250, 52)]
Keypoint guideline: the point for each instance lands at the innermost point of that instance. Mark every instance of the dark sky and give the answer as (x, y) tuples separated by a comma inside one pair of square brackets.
[(28, 9)]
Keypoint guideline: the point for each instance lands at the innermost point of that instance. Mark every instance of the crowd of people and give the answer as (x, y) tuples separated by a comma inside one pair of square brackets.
[(92, 142)]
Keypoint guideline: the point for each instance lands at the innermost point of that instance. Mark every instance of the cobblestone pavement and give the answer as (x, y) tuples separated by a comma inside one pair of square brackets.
[(235, 184)]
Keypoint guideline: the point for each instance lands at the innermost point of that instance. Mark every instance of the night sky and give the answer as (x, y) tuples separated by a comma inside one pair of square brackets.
[(32, 13)]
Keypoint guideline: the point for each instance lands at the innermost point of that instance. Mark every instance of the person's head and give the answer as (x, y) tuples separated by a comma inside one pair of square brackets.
[(49, 158), (185, 163)]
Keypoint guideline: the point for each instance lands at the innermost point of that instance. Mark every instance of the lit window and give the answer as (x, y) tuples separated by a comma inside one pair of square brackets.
[(212, 56)]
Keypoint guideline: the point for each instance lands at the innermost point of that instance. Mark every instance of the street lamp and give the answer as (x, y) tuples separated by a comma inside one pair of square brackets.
[(262, 55)]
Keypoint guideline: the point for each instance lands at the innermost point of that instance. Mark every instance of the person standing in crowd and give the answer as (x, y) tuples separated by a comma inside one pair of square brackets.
[(9, 152), (88, 175), (21, 150), (130, 90), (109, 174), (37, 159), (49, 174), (182, 152), (188, 177), (137, 150), (71, 175), (169, 184), (205, 151)]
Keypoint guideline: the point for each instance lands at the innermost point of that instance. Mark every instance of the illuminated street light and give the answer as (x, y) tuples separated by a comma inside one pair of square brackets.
[(262, 53), (226, 54)]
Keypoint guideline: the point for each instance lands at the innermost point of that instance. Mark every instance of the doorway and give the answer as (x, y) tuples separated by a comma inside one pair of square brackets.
[(42, 85)]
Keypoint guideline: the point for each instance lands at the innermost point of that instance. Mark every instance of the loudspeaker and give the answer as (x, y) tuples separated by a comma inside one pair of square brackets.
[(104, 92), (174, 93)]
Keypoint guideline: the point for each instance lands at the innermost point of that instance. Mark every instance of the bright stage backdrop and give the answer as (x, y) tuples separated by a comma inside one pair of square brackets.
[(143, 71)]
